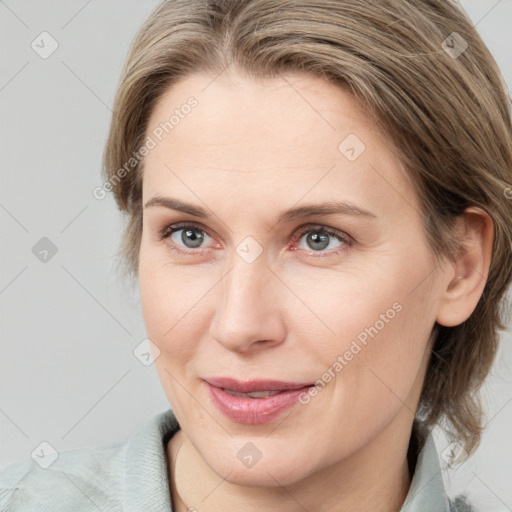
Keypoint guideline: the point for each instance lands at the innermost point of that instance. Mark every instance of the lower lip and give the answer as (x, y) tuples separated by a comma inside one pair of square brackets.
[(254, 411)]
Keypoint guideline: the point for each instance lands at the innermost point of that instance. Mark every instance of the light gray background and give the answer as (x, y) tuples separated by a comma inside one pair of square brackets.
[(69, 326)]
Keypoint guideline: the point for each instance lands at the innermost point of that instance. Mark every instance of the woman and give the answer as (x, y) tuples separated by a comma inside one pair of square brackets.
[(318, 205)]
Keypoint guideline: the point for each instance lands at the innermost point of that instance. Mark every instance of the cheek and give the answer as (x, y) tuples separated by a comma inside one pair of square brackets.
[(172, 325), (342, 308), (167, 300), (372, 331), (383, 356)]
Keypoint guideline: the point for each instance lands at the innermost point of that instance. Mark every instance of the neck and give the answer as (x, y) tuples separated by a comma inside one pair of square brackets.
[(377, 477)]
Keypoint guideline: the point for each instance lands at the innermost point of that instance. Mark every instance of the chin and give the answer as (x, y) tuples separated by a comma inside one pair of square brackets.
[(277, 468), (266, 475)]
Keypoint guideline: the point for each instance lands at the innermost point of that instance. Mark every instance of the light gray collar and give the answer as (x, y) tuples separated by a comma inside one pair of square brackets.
[(427, 487)]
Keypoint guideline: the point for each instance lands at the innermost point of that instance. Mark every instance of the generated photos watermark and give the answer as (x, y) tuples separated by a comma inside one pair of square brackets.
[(157, 135)]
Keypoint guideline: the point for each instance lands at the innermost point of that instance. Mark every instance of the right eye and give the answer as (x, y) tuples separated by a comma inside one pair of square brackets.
[(187, 233)]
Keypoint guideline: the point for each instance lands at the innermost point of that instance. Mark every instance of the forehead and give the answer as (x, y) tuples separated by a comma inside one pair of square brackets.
[(295, 133), (268, 114)]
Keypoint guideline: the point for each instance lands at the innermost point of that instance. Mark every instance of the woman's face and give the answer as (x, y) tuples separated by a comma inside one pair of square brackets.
[(264, 285)]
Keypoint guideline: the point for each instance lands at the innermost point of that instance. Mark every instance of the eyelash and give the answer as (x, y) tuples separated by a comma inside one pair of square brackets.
[(167, 231)]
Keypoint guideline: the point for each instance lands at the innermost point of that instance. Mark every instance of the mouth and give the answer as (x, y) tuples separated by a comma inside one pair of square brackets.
[(254, 402)]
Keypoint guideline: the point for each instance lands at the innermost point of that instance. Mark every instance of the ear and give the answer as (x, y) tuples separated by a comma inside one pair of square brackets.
[(466, 277)]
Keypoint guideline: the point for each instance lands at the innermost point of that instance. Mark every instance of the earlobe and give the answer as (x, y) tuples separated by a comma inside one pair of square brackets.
[(466, 277)]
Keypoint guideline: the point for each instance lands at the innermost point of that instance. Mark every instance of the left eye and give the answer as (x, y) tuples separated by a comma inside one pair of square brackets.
[(318, 238)]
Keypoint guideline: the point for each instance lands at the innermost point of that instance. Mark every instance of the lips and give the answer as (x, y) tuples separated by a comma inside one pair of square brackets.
[(231, 384), (253, 402)]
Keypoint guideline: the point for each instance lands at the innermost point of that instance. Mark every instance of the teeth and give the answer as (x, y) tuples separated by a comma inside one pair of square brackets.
[(252, 394)]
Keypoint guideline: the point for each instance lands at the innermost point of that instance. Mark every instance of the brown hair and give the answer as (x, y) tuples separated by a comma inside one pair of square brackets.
[(448, 114)]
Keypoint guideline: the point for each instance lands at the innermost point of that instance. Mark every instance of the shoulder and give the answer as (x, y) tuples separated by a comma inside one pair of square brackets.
[(129, 474), (461, 504), (79, 479)]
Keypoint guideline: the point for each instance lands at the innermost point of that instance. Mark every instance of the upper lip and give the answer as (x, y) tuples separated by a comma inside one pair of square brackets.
[(254, 385)]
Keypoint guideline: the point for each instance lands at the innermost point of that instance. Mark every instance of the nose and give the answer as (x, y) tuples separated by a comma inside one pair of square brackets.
[(248, 315)]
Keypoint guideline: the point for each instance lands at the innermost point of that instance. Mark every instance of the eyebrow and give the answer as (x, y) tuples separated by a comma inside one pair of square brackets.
[(308, 210)]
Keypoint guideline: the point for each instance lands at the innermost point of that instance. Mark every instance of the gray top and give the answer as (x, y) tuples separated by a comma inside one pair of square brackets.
[(131, 476)]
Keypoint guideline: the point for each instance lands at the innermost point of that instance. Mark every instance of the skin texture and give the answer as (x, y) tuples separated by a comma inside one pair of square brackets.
[(248, 151)]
